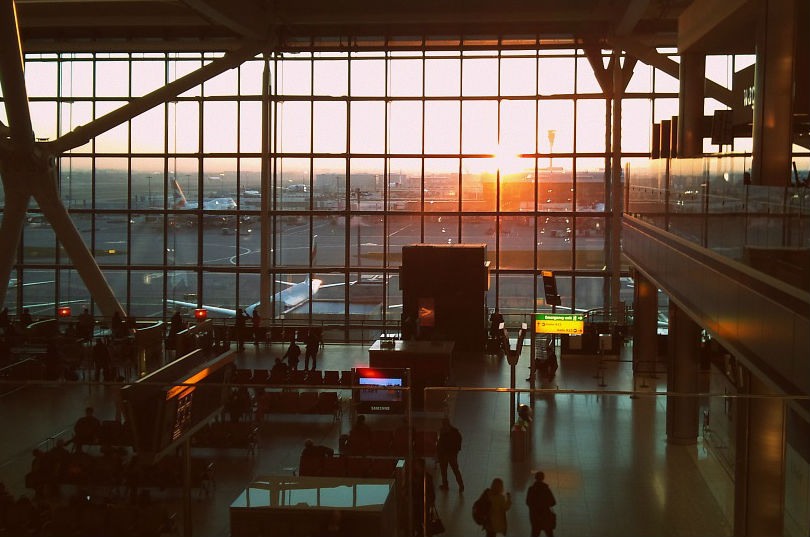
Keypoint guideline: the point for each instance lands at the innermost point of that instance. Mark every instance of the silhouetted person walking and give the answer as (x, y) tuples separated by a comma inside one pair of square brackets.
[(447, 448), (540, 500)]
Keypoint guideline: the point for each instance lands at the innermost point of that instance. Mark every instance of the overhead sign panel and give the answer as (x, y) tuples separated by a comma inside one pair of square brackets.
[(559, 323)]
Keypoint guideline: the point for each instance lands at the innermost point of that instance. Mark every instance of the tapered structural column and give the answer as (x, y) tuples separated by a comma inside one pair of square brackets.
[(759, 472), (773, 92), (682, 373), (645, 323), (690, 105)]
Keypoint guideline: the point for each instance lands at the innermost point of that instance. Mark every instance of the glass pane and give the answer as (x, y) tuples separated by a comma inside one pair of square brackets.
[(367, 127), (441, 185), (554, 242), (591, 125), (111, 184), (331, 77), (518, 76), (442, 77), (75, 182), (250, 77), (441, 127), (479, 126), (111, 239), (41, 78), (219, 126), (184, 127), (292, 188), (441, 229), (146, 245), (330, 127), (38, 239), (636, 125), (480, 230), (250, 126), (147, 76), (331, 241), (43, 119), (77, 79), (405, 78), (518, 129), (590, 188), (293, 120), (181, 248), (225, 83), (368, 78), (115, 140), (474, 195), (402, 231), (586, 80), (148, 131), (293, 241), (295, 77), (515, 295), (480, 76), (147, 183), (112, 79), (556, 76), (555, 128), (555, 187), (366, 240), (405, 127), (516, 242), (219, 289), (590, 237)]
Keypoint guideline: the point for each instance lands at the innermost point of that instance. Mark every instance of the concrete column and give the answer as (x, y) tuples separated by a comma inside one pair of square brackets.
[(645, 323), (759, 472), (683, 366), (690, 105), (773, 92)]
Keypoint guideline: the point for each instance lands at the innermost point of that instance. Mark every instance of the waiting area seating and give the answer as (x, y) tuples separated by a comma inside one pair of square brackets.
[(298, 402)]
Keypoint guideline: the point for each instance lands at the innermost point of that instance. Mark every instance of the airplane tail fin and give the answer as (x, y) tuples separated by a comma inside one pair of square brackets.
[(179, 197), (313, 252)]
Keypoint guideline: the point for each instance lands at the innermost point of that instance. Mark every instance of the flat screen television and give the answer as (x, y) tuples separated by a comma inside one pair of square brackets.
[(379, 391)]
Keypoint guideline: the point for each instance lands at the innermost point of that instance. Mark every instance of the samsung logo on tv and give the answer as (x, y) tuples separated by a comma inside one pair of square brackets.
[(380, 407)]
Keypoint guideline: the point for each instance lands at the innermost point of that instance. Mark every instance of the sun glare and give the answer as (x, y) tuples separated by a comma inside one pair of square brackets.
[(507, 161)]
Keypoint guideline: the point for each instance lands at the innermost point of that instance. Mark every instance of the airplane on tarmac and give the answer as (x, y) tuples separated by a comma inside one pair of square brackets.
[(286, 300), (213, 204)]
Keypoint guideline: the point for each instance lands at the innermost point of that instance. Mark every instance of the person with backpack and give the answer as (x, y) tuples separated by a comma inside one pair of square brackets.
[(540, 500), (489, 510), (447, 448)]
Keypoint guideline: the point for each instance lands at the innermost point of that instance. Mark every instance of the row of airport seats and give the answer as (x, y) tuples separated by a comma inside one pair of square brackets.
[(392, 443), (227, 435), (297, 377), (93, 518), (348, 466), (295, 402), (112, 471)]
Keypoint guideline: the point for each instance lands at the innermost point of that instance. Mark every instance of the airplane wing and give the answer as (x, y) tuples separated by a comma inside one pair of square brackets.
[(213, 309)]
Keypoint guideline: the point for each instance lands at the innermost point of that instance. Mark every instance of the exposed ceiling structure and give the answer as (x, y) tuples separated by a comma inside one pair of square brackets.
[(174, 25)]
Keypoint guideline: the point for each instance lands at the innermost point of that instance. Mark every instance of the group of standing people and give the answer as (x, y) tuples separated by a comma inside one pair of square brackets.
[(494, 501)]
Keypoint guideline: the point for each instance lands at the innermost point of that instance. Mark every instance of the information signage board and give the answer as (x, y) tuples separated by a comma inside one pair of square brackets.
[(559, 323)]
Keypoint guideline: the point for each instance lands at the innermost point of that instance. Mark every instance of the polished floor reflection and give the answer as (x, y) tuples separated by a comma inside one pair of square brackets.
[(604, 452)]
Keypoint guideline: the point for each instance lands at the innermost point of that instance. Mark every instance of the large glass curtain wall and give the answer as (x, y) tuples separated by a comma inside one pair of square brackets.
[(369, 151)]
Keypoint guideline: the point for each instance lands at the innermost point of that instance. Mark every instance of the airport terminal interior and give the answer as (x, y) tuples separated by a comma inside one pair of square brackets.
[(577, 231)]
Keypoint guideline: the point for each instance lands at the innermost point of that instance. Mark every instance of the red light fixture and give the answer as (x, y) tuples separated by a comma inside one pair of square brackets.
[(63, 311), (200, 314)]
